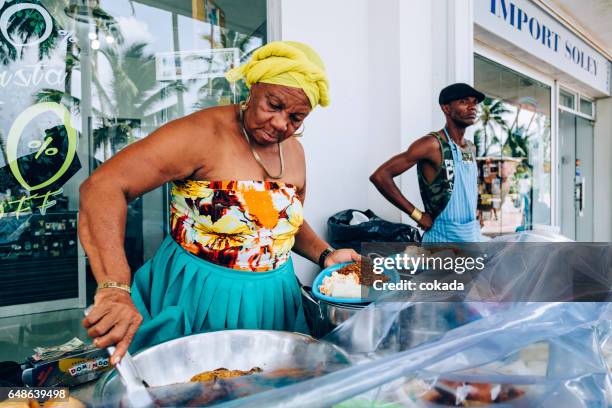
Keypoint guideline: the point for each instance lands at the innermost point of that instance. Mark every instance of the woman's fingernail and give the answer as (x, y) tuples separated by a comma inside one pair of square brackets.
[(116, 360)]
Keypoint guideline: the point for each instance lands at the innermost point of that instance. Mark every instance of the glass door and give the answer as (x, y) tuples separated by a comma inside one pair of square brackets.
[(576, 143), (513, 140), (585, 182), (80, 81)]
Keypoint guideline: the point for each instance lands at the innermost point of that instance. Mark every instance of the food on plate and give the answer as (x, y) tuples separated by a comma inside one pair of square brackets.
[(349, 281), (416, 257), (341, 286), (364, 272), (469, 394), (415, 250), (223, 374)]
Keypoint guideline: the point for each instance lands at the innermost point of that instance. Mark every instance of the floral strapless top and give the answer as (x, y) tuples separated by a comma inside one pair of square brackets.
[(245, 225)]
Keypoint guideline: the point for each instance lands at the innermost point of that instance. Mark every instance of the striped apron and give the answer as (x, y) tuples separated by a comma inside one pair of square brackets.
[(458, 223)]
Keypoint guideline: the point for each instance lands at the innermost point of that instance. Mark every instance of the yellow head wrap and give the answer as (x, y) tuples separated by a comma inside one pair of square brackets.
[(287, 63)]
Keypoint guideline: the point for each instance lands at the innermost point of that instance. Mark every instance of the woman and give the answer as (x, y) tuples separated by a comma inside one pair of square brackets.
[(239, 183)]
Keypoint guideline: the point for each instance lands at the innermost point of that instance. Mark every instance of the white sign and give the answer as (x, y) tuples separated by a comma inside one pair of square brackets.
[(528, 27), (211, 63)]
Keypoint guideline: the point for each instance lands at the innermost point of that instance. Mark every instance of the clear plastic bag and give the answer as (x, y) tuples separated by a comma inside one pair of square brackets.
[(529, 268), (488, 350), (498, 354)]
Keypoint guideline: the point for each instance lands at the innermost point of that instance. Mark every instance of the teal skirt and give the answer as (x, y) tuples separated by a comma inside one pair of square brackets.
[(179, 294)]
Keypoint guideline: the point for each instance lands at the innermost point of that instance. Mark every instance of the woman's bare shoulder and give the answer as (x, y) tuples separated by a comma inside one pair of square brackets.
[(296, 162), (201, 122), (294, 147), (175, 146)]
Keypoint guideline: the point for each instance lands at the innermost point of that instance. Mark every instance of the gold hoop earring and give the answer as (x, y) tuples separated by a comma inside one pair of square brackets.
[(300, 134), (244, 105)]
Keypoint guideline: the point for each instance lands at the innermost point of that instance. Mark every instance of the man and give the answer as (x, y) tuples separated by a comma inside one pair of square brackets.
[(446, 169)]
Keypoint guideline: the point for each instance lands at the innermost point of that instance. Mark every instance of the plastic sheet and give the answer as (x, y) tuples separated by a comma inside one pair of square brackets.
[(519, 354), (538, 270), (575, 372), (436, 354)]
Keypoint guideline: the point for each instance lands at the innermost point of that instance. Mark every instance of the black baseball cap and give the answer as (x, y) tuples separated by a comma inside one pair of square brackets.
[(459, 91)]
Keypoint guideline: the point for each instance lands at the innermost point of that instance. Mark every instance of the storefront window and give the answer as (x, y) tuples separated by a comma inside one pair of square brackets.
[(80, 81), (567, 99), (586, 107), (514, 149)]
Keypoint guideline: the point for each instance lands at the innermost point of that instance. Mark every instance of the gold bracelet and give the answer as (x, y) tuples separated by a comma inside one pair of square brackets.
[(114, 285), (416, 214)]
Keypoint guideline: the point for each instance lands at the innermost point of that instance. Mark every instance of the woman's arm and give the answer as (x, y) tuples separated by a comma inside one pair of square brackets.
[(308, 244), (166, 154)]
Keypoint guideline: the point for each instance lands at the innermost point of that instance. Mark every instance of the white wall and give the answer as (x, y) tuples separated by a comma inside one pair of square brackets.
[(602, 228), (335, 138), (436, 50), (387, 61), (383, 131)]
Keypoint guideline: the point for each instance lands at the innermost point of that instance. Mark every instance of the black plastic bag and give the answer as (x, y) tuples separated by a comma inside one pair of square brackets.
[(343, 235)]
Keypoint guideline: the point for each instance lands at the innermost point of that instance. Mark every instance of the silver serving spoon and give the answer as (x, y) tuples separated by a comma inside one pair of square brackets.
[(136, 388)]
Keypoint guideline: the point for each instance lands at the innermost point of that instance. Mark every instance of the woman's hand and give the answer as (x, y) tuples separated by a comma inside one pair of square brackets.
[(341, 256), (425, 222), (113, 320)]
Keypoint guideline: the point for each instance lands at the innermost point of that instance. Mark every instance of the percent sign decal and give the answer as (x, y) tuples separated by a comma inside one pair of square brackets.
[(69, 35), (16, 132), (42, 147)]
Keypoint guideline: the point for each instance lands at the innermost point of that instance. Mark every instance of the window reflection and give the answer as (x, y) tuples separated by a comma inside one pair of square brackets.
[(81, 81), (514, 148)]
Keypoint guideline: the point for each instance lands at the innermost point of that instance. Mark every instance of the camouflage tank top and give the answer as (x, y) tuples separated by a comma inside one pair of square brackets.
[(437, 194)]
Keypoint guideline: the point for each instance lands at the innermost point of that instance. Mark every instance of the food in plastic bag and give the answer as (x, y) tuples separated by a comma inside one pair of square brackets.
[(489, 350), (464, 394), (536, 354)]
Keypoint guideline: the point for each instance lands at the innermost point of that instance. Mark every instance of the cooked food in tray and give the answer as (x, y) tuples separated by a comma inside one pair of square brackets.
[(466, 394), (223, 374)]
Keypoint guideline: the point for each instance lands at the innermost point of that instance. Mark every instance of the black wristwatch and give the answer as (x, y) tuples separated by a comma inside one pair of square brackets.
[(326, 252)]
